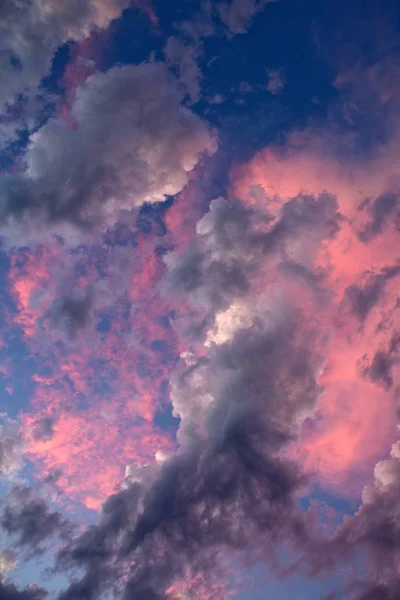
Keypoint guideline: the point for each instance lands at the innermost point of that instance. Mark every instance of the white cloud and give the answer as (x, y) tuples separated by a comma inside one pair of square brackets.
[(133, 142)]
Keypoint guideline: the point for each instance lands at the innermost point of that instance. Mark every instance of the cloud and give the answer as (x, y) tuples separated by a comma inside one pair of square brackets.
[(363, 296), (70, 313), (94, 408), (374, 530), (382, 210), (43, 429), (383, 362), (111, 161), (29, 520), (236, 17), (284, 306), (209, 282), (8, 562), (10, 449), (31, 592), (276, 81), (240, 399), (343, 442), (184, 59), (31, 32), (183, 54)]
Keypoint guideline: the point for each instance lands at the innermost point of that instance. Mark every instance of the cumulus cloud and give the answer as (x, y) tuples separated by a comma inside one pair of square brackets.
[(240, 401), (8, 562), (111, 160), (374, 530), (343, 443), (31, 32), (260, 277), (222, 262)]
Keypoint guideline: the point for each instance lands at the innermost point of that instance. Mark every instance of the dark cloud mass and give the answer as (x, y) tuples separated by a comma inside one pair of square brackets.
[(363, 296), (380, 368), (70, 313), (375, 529), (31, 592), (228, 489), (30, 521), (381, 211), (42, 429)]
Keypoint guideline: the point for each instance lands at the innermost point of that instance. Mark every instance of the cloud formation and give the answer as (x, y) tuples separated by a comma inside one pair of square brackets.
[(344, 443), (8, 562), (31, 592), (228, 18), (240, 402), (30, 522), (31, 32), (109, 162), (10, 448), (198, 371)]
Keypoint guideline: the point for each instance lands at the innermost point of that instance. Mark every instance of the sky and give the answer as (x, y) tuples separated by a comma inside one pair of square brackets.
[(199, 317)]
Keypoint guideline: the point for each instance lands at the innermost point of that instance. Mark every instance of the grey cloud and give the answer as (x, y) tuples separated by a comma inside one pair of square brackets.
[(112, 161), (381, 366), (382, 209), (377, 591), (70, 313), (221, 496), (227, 489), (223, 260), (184, 59), (363, 297), (183, 54), (373, 532), (29, 520), (10, 449), (228, 18), (31, 32), (42, 429), (31, 592), (8, 561)]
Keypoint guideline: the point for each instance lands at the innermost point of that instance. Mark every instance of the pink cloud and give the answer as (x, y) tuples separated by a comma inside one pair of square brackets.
[(355, 422), (101, 390)]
